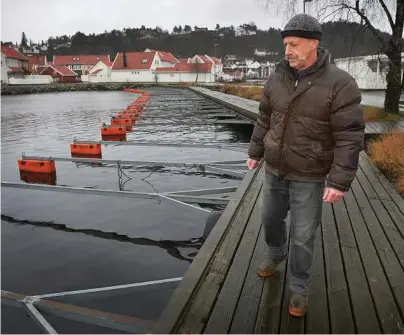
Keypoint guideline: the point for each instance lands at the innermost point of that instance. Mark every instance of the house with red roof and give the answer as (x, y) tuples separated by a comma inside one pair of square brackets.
[(81, 64), (217, 63), (161, 66), (13, 64), (99, 73), (61, 74), (134, 67), (185, 72), (35, 61), (164, 58)]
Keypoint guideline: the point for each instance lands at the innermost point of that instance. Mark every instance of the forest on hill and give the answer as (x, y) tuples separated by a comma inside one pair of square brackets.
[(341, 38)]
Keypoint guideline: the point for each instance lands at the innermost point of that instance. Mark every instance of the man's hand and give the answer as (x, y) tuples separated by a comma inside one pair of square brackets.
[(332, 195), (252, 163)]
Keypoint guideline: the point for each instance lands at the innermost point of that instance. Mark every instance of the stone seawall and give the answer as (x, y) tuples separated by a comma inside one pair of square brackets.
[(68, 87)]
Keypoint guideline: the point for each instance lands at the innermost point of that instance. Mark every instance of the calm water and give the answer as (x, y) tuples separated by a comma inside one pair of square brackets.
[(54, 242)]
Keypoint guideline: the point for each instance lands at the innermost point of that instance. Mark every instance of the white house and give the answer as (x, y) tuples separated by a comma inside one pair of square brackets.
[(4, 68), (99, 73), (186, 72), (13, 64), (368, 71), (164, 59), (259, 52), (79, 63), (162, 67), (241, 31), (217, 65)]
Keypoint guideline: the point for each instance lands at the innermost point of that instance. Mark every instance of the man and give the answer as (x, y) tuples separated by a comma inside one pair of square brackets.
[(310, 131)]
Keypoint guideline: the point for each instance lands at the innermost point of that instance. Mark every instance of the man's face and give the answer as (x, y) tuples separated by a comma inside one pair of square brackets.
[(298, 50)]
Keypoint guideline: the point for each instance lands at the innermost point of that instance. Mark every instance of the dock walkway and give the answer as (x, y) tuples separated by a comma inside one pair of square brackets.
[(357, 273)]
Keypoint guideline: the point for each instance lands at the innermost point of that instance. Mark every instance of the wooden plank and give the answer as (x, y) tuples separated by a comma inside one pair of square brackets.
[(364, 311), (182, 296), (195, 317), (391, 263), (270, 308), (248, 305), (317, 320), (395, 215), (390, 189), (222, 314), (379, 189), (384, 301), (341, 318), (239, 105), (393, 231)]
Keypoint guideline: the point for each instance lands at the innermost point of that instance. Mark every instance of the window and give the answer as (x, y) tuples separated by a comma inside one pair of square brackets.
[(373, 65), (144, 61)]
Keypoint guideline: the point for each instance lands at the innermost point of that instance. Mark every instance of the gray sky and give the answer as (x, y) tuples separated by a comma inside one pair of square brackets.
[(43, 18)]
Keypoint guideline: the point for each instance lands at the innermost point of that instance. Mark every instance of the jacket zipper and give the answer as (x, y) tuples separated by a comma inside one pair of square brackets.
[(284, 129)]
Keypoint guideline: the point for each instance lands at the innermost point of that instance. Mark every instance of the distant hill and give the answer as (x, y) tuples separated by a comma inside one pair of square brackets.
[(342, 38)]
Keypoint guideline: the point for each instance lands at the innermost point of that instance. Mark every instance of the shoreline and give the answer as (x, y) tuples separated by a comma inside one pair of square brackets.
[(68, 87)]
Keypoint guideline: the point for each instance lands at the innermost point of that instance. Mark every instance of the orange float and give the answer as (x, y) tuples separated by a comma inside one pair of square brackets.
[(38, 178), (123, 121), (85, 150), (37, 166), (107, 130), (118, 138), (126, 116)]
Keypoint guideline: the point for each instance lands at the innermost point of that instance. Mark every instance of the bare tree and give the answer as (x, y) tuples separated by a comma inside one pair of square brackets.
[(372, 14)]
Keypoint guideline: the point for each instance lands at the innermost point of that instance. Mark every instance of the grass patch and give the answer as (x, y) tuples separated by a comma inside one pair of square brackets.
[(373, 113), (252, 93), (387, 153)]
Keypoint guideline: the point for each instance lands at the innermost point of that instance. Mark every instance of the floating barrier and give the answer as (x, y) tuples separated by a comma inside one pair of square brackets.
[(37, 171), (38, 178), (127, 123), (126, 116), (117, 138), (38, 166), (113, 133), (85, 150)]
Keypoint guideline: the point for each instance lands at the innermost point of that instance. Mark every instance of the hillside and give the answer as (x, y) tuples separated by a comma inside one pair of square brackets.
[(343, 39)]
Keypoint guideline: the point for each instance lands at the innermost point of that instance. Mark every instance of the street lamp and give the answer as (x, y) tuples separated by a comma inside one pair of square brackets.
[(215, 50), (304, 5)]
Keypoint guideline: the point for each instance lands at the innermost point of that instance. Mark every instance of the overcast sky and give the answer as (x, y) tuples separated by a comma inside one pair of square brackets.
[(43, 18)]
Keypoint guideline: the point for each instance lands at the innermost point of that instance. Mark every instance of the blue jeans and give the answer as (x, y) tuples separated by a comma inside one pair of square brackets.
[(304, 200)]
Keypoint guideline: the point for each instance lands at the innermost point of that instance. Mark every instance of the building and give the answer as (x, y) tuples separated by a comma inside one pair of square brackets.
[(81, 64), (13, 64), (369, 71), (260, 52), (244, 31), (35, 61), (100, 73), (134, 67), (217, 66), (140, 66), (61, 74), (186, 72)]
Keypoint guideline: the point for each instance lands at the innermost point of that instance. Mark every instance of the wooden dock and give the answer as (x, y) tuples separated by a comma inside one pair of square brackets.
[(357, 274), (249, 109)]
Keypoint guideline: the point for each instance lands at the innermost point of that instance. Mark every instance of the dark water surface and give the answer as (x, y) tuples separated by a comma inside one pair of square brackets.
[(53, 242)]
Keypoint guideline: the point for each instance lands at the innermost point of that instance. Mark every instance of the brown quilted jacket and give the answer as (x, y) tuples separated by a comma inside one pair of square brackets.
[(310, 124)]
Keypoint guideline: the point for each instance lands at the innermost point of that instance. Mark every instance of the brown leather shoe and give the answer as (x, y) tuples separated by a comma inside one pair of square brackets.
[(298, 304), (267, 267)]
